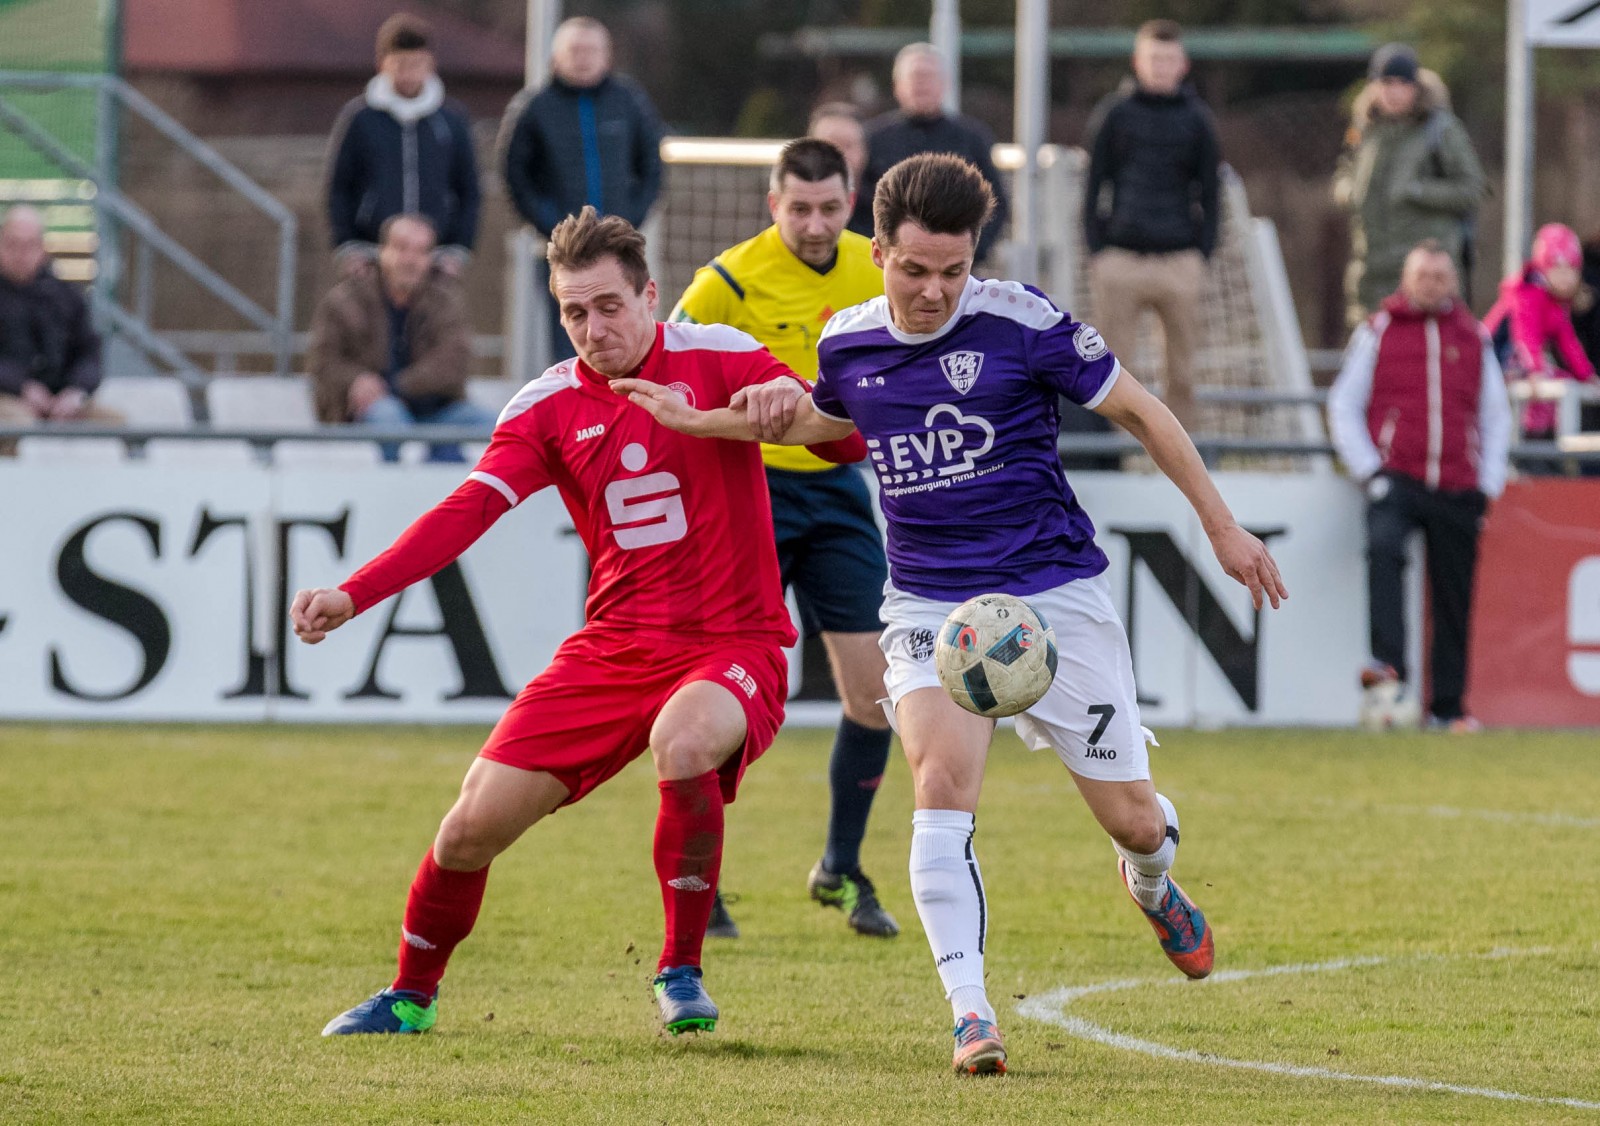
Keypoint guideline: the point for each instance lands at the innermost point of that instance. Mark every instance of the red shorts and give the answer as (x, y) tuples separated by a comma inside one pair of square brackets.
[(589, 713)]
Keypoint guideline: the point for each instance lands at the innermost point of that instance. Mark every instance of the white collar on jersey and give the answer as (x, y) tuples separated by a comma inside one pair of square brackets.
[(973, 285)]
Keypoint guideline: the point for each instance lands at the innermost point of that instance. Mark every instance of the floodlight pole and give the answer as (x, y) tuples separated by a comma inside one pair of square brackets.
[(527, 323), (543, 15), (1032, 105), (1519, 137), (944, 32)]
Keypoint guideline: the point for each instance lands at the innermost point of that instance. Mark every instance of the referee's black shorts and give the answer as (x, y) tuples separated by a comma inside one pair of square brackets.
[(829, 548)]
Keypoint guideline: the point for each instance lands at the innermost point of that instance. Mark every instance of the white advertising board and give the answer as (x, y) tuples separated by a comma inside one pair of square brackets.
[(155, 593), (1563, 23)]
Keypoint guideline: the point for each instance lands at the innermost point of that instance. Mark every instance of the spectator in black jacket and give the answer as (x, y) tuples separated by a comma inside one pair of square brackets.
[(588, 137), (921, 125), (49, 353), (402, 147), (1150, 207)]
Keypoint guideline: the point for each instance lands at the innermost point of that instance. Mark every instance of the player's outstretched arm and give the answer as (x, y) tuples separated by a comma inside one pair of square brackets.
[(317, 613), (1241, 554), (778, 411), (673, 411)]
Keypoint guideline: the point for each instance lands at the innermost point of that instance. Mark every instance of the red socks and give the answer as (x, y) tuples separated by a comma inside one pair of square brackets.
[(443, 905), (688, 855), (440, 912)]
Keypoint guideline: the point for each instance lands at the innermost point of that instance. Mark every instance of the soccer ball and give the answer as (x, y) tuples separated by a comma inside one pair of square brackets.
[(995, 655)]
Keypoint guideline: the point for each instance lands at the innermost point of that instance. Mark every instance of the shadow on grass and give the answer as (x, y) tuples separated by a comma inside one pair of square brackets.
[(745, 1050)]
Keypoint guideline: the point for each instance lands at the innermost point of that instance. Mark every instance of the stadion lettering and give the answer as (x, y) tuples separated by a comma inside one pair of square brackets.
[(264, 668), (159, 594), (171, 599)]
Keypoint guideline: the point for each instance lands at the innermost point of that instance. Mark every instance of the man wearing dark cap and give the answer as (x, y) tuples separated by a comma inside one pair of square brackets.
[(1408, 173)]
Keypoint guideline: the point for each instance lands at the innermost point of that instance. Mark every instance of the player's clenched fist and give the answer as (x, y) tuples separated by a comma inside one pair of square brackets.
[(316, 613), (769, 407)]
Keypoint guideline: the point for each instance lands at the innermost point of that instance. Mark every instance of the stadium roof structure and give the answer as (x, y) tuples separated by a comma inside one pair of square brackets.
[(231, 37)]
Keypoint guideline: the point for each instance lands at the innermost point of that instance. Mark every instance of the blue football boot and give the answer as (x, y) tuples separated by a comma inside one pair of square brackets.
[(685, 1005), (389, 1010), (1180, 927)]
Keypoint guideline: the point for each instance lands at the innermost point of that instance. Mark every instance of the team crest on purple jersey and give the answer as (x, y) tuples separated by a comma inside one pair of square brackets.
[(961, 369)]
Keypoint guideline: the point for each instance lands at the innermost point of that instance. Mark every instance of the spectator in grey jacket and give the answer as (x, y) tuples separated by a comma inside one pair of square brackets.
[(402, 146), (1150, 208), (49, 353), (590, 136)]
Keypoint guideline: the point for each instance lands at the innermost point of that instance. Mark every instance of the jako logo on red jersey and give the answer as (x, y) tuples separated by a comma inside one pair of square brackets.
[(645, 511)]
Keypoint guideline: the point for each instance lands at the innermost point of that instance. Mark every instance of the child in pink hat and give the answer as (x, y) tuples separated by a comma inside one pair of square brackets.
[(1533, 320)]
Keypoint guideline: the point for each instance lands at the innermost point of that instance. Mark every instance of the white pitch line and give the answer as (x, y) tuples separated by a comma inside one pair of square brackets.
[(1556, 820), (1050, 1008), (1455, 813)]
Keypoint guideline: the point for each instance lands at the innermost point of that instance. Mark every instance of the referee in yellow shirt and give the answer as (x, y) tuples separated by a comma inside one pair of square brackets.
[(781, 287)]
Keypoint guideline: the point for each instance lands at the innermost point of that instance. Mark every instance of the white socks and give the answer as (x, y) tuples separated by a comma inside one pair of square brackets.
[(1147, 872), (948, 890)]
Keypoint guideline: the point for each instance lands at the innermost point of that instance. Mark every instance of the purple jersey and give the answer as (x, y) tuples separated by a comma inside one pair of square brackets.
[(961, 424)]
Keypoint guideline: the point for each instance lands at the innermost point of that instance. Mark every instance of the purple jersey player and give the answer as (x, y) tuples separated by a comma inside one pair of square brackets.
[(963, 419), (954, 384)]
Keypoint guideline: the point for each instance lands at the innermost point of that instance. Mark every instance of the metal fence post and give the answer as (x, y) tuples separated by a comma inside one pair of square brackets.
[(283, 328)]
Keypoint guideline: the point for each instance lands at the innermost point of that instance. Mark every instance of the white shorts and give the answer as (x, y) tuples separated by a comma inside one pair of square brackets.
[(1090, 715)]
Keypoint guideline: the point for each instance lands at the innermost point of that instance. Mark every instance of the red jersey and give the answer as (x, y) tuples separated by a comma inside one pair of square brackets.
[(678, 529)]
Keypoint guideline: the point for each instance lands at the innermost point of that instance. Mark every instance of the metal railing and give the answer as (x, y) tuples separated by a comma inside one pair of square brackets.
[(1574, 451), (113, 208), (222, 349)]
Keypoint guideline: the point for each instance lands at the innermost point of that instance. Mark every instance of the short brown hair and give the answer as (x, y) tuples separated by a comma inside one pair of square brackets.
[(811, 160), (579, 241), (1162, 31), (939, 192), (402, 32)]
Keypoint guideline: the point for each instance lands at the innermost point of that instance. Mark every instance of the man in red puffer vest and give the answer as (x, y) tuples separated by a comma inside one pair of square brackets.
[(1420, 417)]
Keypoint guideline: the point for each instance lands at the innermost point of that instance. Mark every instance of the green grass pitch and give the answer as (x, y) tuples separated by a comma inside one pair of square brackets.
[(182, 908)]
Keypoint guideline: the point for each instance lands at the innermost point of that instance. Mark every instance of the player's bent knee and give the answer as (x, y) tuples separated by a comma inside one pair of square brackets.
[(863, 709), (1136, 827), (939, 787), (1142, 836), (466, 842), (688, 753)]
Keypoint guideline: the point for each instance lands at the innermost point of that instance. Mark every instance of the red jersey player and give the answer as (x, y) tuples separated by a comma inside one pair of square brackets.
[(682, 649)]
